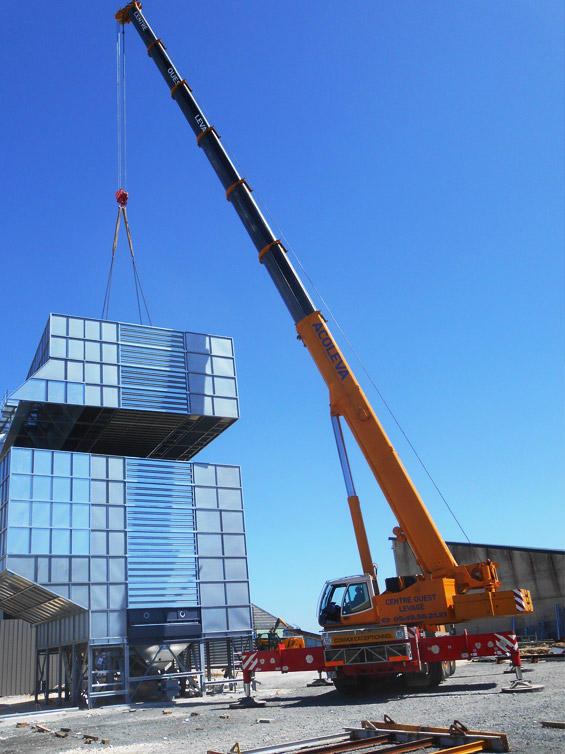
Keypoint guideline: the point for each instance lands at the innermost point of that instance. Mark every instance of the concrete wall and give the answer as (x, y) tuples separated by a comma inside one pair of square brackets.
[(540, 571)]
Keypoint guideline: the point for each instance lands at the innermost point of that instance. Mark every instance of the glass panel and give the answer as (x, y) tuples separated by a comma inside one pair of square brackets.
[(18, 514), (197, 342), (92, 329), (20, 487), (238, 593), (79, 594), (117, 569), (75, 393), (232, 522), (42, 461), (116, 517), (98, 543), (230, 499), (99, 597), (223, 367), (80, 542), (109, 375), (76, 327), (56, 392), (236, 569), (58, 325), (60, 569), (76, 349), (81, 465), (75, 371), (80, 569), (58, 348), (199, 363), (214, 619), (91, 351), (21, 460), (225, 407), (110, 396), (92, 396), (92, 372), (208, 521), (61, 489), (224, 386), (209, 544), (201, 404), (117, 597), (40, 541), (41, 514), (116, 492), (98, 518), (239, 618), (81, 491), (109, 353), (80, 516), (62, 463), (98, 467), (117, 543), (61, 542), (99, 569), (98, 492), (356, 599), (62, 514), (109, 331), (212, 594), (206, 497), (204, 474), (228, 476), (201, 383), (234, 544), (18, 541), (221, 346), (115, 468), (41, 488)]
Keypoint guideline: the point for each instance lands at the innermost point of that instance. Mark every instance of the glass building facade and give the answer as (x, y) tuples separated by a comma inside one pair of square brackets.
[(101, 506)]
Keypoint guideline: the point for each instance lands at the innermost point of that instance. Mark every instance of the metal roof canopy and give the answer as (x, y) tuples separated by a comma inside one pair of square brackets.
[(28, 601)]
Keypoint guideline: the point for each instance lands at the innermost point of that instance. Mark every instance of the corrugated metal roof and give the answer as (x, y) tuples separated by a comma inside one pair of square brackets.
[(31, 602)]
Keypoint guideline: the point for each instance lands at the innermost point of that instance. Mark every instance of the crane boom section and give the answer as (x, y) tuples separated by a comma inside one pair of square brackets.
[(348, 400), (346, 397)]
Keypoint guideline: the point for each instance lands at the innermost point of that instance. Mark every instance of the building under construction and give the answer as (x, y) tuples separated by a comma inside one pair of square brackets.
[(128, 557)]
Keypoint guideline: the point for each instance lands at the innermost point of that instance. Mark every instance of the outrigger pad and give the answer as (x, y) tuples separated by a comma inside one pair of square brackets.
[(521, 686), (246, 702)]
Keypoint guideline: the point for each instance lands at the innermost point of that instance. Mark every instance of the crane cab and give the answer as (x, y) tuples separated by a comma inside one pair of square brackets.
[(347, 601)]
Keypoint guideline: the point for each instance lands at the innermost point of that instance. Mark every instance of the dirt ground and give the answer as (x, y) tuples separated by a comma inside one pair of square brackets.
[(294, 711)]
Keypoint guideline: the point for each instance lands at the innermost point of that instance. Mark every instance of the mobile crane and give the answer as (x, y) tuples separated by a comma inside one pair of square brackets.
[(367, 634)]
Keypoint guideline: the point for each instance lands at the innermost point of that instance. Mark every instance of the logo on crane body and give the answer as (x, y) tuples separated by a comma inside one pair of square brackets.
[(331, 350)]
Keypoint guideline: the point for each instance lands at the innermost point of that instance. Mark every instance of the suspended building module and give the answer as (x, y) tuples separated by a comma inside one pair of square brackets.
[(112, 541)]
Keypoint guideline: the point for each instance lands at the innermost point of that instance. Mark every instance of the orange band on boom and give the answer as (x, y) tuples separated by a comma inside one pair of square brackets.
[(155, 42), (203, 133), (235, 185), (268, 247), (176, 86)]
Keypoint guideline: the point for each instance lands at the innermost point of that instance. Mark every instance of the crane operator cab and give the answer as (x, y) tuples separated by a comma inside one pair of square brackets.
[(348, 600)]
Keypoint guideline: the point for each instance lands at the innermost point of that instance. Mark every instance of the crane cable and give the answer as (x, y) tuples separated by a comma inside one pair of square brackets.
[(122, 194)]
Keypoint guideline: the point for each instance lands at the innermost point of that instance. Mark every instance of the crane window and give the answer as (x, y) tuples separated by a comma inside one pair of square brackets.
[(356, 599), (330, 606)]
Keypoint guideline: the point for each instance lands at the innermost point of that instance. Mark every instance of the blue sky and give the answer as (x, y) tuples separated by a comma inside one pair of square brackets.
[(412, 156)]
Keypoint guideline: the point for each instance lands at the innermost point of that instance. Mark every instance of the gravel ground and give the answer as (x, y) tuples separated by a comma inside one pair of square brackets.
[(296, 712)]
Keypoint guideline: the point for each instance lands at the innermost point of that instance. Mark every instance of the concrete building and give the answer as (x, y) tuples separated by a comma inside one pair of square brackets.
[(128, 557), (540, 571)]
